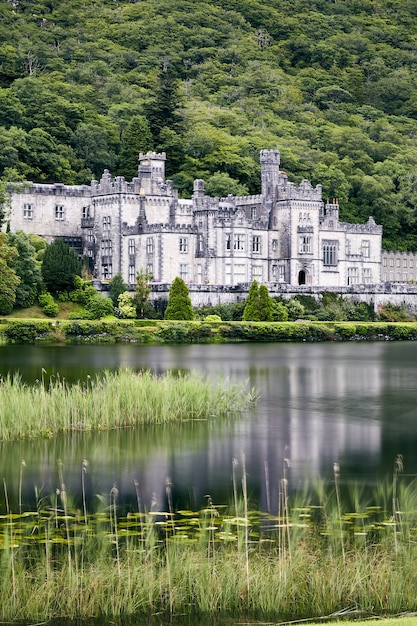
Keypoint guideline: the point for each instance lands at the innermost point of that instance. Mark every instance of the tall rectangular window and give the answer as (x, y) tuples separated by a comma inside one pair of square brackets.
[(367, 276), (384, 261), (240, 273), (228, 241), (256, 244), (106, 271), (184, 271), (59, 212), (199, 274), (228, 274), (239, 242), (254, 212), (86, 212), (28, 211), (281, 273), (352, 276), (305, 244), (106, 247), (183, 244), (329, 253), (131, 246), (200, 244), (106, 221), (150, 245), (149, 269), (365, 247), (257, 273), (132, 274)]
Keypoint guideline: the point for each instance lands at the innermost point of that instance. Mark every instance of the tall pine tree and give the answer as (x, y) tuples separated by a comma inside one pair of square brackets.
[(179, 303), (60, 266), (136, 138)]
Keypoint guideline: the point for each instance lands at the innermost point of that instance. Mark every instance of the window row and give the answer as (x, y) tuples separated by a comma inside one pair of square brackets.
[(239, 240), (405, 262), (353, 276), (29, 211)]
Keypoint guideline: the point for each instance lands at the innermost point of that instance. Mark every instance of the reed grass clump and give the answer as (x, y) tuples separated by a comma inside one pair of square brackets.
[(116, 400)]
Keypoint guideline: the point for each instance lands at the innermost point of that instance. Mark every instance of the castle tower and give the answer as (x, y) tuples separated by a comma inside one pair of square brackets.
[(151, 172), (270, 161)]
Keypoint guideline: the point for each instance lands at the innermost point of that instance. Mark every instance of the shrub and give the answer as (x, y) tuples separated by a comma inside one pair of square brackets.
[(99, 306), (174, 333), (48, 304), (212, 318), (25, 332)]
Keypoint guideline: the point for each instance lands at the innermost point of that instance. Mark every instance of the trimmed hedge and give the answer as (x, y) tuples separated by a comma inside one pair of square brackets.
[(180, 332)]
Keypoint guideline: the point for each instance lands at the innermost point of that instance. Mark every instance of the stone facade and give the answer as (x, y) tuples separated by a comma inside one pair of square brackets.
[(285, 236), (399, 267)]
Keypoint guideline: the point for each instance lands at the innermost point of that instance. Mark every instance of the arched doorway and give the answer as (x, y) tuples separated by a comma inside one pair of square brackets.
[(301, 277)]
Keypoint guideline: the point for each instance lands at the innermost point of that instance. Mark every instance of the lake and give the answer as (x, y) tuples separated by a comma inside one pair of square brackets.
[(350, 403)]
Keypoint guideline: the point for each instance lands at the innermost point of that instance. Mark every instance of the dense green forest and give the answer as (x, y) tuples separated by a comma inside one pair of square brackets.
[(332, 83)]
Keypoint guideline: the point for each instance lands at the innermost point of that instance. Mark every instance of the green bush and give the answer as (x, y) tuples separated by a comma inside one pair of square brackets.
[(175, 333), (48, 304), (25, 332), (213, 318)]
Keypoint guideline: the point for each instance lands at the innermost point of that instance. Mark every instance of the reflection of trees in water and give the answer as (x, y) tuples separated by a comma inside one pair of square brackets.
[(351, 403)]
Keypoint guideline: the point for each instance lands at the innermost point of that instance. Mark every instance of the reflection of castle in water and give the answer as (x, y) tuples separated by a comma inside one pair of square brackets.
[(319, 404)]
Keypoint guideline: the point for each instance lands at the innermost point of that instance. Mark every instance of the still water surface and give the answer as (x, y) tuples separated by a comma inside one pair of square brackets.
[(350, 403)]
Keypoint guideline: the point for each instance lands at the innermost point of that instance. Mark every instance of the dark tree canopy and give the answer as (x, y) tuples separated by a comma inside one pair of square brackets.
[(60, 266), (179, 302)]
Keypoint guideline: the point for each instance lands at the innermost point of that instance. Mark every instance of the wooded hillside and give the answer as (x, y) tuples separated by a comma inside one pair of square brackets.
[(332, 83)]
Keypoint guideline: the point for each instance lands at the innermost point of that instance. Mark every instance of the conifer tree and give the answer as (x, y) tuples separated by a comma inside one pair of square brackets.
[(265, 305), (251, 310), (259, 304), (60, 266), (179, 302), (116, 287), (136, 138)]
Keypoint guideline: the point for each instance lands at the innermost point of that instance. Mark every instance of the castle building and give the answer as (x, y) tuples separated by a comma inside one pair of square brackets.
[(285, 235)]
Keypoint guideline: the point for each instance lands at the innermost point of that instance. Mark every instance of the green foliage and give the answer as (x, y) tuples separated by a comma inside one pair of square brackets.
[(332, 84), (99, 306), (26, 268), (295, 309), (393, 313), (48, 304), (135, 139), (9, 280), (279, 311), (126, 305), (212, 318), (142, 291), (25, 332), (259, 305), (226, 312), (179, 302), (83, 291), (60, 266), (116, 287)]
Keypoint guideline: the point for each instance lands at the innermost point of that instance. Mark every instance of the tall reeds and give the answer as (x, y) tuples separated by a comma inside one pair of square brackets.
[(115, 400), (211, 560)]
